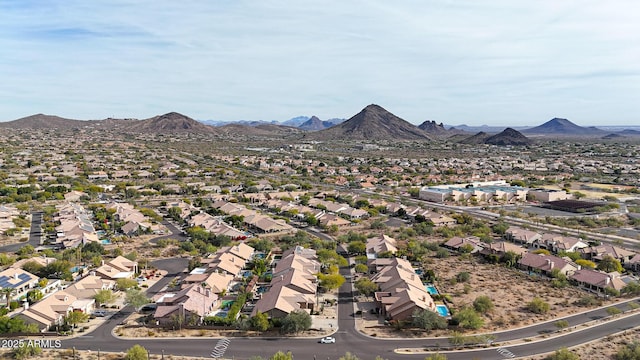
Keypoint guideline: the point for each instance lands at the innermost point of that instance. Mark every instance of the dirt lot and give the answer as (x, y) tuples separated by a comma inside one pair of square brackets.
[(509, 289)]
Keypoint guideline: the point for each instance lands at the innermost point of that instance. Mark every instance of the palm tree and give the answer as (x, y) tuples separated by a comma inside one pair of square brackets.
[(7, 293), (204, 286)]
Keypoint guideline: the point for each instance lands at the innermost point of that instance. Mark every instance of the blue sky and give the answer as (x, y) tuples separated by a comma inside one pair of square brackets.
[(495, 62)]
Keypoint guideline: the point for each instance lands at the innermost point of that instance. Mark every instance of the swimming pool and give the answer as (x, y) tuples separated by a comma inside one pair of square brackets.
[(105, 241), (443, 310), (431, 289)]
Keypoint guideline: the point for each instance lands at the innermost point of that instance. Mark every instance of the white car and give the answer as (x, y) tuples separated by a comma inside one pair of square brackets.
[(328, 340)]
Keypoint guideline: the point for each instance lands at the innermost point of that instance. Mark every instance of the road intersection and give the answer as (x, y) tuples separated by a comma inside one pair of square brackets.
[(540, 338)]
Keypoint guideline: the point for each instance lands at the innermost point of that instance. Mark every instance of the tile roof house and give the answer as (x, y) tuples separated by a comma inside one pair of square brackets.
[(557, 243), (597, 280), (521, 236), (192, 301), (240, 250), (280, 300), (218, 282), (634, 263), (331, 219), (225, 262), (596, 253), (293, 285), (457, 242), (546, 264), (51, 310), (379, 244), (88, 286), (19, 280), (401, 291), (502, 247), (117, 268)]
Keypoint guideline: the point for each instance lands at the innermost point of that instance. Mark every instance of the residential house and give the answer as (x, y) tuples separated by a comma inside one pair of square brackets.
[(89, 286), (194, 300), (281, 300), (17, 279), (557, 243), (457, 243), (546, 264), (522, 236), (218, 282), (380, 244), (597, 280), (596, 253), (293, 286), (118, 268), (401, 291), (500, 248), (51, 310)]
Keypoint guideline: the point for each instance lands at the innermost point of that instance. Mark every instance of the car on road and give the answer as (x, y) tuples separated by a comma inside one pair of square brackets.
[(328, 340)]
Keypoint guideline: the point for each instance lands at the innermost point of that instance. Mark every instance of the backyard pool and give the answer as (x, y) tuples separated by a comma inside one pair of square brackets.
[(431, 289), (443, 310), (105, 241)]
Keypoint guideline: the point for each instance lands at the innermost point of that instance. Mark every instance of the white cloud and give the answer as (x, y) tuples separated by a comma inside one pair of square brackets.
[(497, 61)]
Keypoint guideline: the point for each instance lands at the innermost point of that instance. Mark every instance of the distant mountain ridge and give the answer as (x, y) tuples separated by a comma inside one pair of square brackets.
[(508, 137), (563, 127), (373, 123), (42, 121), (170, 123)]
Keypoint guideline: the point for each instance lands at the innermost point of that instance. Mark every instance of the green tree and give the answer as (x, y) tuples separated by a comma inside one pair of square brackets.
[(136, 352), (27, 351), (468, 318), (331, 281), (463, 276), (609, 264), (510, 258), (632, 288), (59, 269), (357, 247), (32, 267), (630, 351), (282, 356), (16, 325), (126, 284), (361, 268), (563, 354), (428, 320), (136, 298), (349, 356), (260, 322), (8, 292), (34, 295), (587, 264), (538, 306), (483, 304), (76, 317), (296, 322), (104, 296), (366, 286)]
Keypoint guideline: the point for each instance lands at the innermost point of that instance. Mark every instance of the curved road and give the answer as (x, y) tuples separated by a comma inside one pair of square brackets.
[(348, 338)]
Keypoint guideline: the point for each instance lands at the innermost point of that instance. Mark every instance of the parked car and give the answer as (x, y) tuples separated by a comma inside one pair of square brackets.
[(99, 313), (328, 340)]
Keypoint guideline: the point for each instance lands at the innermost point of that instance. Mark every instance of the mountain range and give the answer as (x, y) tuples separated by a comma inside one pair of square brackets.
[(371, 123)]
